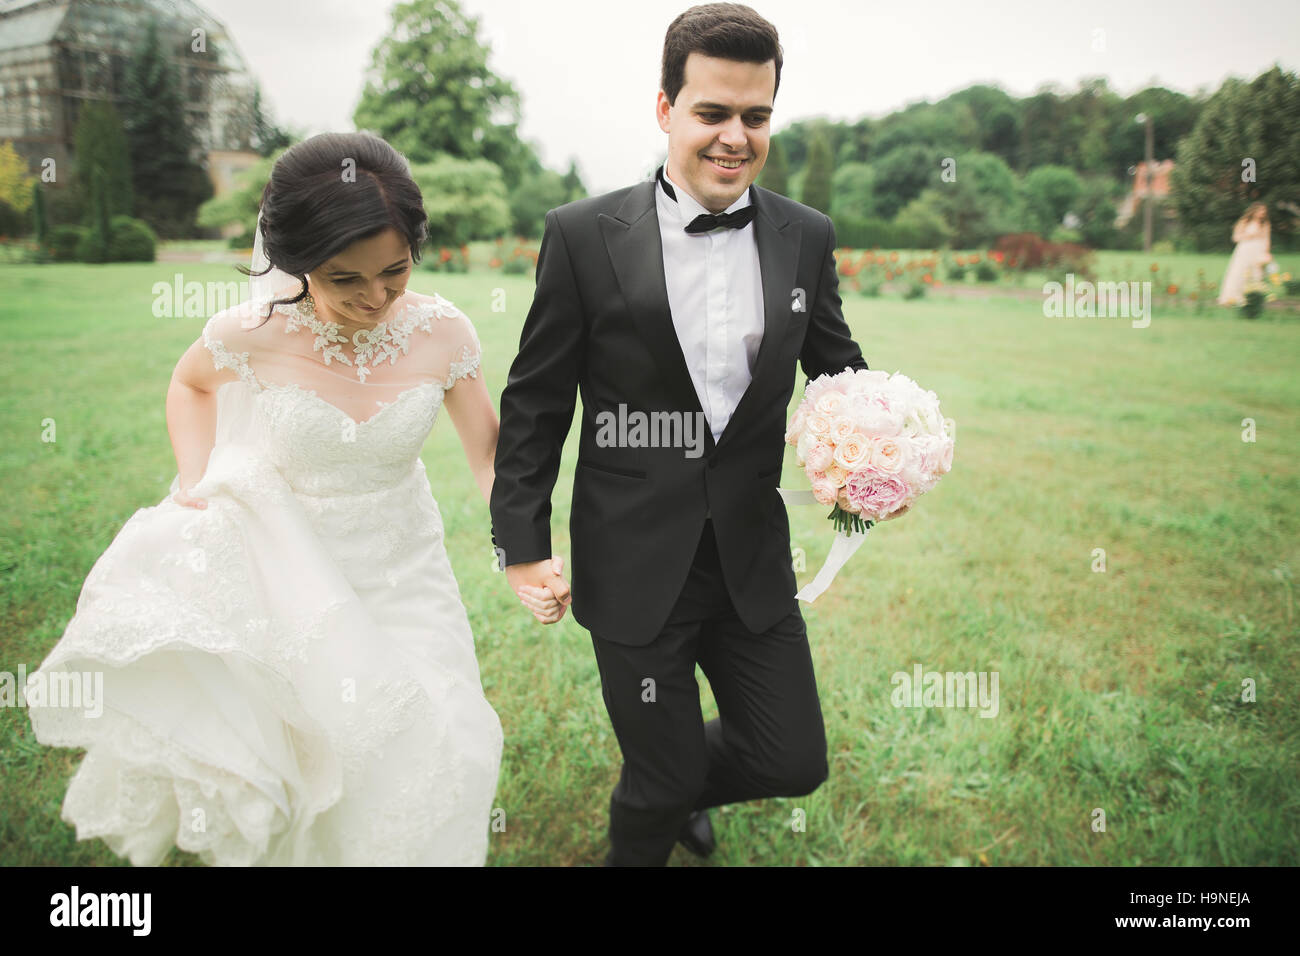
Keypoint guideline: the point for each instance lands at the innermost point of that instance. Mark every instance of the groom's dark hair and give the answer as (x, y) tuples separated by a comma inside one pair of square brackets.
[(729, 31)]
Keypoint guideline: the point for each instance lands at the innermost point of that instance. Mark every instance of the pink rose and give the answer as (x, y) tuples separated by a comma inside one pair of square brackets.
[(874, 496), (819, 456), (824, 489)]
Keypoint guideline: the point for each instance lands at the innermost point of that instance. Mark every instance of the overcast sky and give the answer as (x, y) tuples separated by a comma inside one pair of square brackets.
[(588, 70)]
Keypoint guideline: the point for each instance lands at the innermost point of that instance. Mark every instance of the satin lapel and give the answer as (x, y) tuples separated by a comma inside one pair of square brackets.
[(636, 252), (778, 259)]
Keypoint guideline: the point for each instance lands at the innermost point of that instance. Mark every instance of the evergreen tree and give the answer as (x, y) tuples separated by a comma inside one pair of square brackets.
[(169, 184), (39, 215), (573, 187), (817, 180), (267, 137), (100, 141), (1212, 178), (776, 171)]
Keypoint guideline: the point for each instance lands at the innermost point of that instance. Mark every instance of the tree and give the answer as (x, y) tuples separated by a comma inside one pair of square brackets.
[(94, 244), (40, 218), (267, 137), (15, 181), (430, 92), (1096, 211), (1050, 192), (169, 185), (852, 189), (901, 174), (1242, 150), (100, 141), (240, 205), (977, 207), (464, 198), (817, 181), (536, 195), (1174, 115), (573, 187), (776, 171), (924, 216)]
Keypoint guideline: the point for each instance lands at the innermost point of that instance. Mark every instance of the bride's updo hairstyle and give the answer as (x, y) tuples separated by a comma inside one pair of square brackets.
[(330, 191)]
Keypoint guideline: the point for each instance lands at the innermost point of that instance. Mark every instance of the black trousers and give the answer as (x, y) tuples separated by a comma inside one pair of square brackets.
[(769, 739)]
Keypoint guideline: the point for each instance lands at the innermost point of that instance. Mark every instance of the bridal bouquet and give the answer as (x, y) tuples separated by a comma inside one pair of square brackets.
[(871, 444)]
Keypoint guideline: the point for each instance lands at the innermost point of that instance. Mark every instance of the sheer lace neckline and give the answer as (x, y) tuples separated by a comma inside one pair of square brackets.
[(384, 342)]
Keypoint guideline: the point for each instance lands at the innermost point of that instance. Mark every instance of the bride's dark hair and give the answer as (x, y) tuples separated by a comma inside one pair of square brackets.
[(316, 203)]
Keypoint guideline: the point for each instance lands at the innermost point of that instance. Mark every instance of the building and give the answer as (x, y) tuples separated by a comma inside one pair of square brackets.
[(56, 55), (1156, 184)]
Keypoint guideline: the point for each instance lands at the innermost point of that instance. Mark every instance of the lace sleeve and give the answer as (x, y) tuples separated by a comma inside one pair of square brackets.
[(466, 353), (214, 332)]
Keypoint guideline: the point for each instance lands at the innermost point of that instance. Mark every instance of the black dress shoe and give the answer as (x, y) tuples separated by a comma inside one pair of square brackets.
[(697, 834)]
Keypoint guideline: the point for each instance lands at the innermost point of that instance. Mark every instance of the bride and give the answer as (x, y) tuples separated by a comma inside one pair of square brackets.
[(288, 672)]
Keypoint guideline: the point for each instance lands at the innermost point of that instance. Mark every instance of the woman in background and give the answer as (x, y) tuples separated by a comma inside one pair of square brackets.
[(1251, 234)]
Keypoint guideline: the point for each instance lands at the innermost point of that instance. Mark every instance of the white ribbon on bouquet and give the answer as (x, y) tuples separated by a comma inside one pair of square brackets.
[(842, 548)]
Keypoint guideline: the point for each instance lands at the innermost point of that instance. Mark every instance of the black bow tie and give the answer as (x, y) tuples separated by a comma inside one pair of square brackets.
[(725, 220)]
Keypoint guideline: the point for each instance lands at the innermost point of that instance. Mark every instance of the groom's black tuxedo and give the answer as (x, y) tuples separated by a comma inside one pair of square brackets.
[(661, 587), (600, 321)]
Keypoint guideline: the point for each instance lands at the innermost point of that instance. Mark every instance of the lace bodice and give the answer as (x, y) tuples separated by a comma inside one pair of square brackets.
[(338, 417)]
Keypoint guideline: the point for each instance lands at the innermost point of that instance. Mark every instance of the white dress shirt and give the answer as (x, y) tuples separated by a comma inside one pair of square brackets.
[(715, 292)]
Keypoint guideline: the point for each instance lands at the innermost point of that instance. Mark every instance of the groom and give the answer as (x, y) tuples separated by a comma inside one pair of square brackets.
[(687, 298)]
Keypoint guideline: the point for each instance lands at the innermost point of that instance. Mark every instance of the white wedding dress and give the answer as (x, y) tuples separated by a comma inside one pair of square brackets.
[(289, 676)]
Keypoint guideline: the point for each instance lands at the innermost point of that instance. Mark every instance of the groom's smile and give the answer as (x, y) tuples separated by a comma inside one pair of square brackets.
[(718, 127)]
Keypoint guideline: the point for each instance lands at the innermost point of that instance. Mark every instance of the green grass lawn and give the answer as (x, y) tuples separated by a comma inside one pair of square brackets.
[(1120, 691)]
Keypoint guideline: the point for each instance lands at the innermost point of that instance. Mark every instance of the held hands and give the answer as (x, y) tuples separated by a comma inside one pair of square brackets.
[(541, 588)]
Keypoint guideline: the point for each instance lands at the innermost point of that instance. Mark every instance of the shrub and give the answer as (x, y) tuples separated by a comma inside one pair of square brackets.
[(914, 290), (444, 260), (517, 266), (1030, 251), (871, 288), (869, 233), (957, 273), (64, 241), (131, 240), (986, 272), (93, 247)]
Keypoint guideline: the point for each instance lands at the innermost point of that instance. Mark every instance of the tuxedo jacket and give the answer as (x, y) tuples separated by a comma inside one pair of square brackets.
[(600, 323)]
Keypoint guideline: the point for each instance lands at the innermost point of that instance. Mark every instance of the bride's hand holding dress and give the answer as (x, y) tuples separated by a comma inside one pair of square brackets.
[(289, 675)]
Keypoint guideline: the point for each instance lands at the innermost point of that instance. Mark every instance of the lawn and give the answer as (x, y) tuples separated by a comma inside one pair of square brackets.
[(1120, 689)]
